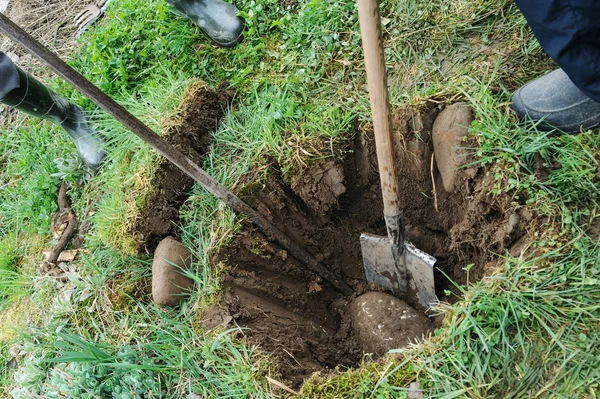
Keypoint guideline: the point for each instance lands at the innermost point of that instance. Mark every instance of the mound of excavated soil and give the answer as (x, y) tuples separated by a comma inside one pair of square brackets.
[(289, 311)]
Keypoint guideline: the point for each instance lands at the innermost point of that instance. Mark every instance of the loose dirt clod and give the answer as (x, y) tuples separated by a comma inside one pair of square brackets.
[(384, 322), (449, 129), (216, 317), (169, 284), (321, 188)]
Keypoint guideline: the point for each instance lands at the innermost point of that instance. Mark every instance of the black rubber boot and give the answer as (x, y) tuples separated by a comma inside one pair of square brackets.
[(33, 98), (556, 103), (217, 19)]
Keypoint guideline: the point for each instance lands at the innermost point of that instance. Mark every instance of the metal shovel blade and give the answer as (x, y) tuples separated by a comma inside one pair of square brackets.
[(391, 268)]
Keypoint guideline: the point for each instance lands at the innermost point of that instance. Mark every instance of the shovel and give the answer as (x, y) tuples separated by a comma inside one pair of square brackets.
[(390, 262)]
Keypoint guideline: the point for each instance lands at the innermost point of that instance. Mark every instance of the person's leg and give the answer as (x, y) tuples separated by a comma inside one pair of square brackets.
[(20, 90), (217, 18), (569, 32), (9, 78)]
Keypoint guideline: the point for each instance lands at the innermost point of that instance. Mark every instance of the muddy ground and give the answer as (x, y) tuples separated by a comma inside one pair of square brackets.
[(288, 310)]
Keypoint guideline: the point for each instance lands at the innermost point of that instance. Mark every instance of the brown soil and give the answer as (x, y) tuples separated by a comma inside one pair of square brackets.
[(201, 113), (288, 310), (294, 314)]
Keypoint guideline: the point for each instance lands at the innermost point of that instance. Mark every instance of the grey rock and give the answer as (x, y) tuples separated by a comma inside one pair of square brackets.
[(449, 129), (513, 220), (414, 392), (169, 285), (384, 322)]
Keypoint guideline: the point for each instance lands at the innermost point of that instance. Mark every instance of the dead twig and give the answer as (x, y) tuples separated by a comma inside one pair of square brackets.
[(68, 217), (64, 203), (435, 198)]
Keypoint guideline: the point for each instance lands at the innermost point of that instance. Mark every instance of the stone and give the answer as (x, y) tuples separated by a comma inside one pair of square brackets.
[(169, 285), (384, 322), (449, 129)]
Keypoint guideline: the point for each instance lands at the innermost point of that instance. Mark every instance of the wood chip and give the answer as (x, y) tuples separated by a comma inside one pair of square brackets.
[(314, 287)]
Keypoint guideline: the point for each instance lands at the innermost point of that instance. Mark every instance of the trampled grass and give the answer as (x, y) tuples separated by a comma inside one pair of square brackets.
[(528, 331)]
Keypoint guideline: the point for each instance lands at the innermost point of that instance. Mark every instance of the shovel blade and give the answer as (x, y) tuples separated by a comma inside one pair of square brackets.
[(380, 263), (419, 267), (387, 268)]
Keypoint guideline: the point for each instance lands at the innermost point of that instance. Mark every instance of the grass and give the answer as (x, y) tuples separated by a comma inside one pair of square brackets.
[(528, 331), (161, 358), (385, 379), (498, 339), (132, 163)]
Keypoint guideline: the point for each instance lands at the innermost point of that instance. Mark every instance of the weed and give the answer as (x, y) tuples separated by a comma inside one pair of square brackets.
[(29, 192), (385, 379), (139, 42)]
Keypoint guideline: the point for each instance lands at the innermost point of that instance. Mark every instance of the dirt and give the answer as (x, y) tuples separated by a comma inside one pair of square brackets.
[(200, 115), (289, 4), (292, 313), (321, 188)]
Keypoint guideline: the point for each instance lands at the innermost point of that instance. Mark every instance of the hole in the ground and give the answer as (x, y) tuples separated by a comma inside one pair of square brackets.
[(305, 323), (292, 313)]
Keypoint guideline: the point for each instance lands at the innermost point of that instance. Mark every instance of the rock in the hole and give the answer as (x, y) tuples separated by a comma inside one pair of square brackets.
[(384, 322), (168, 283), (449, 129)]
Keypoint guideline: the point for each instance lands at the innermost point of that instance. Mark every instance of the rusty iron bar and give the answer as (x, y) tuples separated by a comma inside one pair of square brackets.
[(114, 109)]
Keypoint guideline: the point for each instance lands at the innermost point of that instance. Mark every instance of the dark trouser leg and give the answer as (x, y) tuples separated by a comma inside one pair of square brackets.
[(569, 32), (9, 77), (569, 98), (22, 91), (217, 18)]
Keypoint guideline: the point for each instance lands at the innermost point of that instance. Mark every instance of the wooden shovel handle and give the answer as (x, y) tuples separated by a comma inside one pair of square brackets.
[(370, 26)]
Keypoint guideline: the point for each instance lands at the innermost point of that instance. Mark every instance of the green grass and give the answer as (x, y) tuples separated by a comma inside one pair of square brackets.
[(125, 183), (163, 357), (526, 332), (529, 332), (100, 337)]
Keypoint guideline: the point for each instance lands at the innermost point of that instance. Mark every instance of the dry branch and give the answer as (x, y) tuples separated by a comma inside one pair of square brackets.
[(66, 216)]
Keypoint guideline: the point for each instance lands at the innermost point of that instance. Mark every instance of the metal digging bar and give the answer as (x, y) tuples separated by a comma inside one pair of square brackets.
[(165, 149)]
